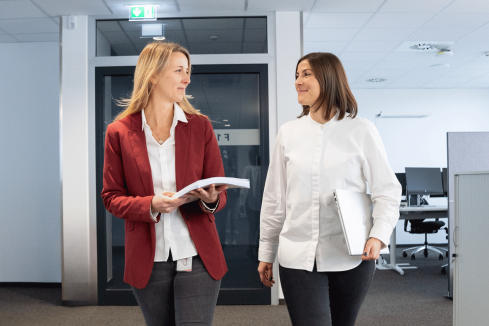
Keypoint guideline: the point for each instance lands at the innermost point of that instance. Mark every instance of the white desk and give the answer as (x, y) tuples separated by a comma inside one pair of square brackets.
[(410, 213)]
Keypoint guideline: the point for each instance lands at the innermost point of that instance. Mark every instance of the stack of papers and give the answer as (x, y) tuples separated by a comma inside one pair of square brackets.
[(217, 181)]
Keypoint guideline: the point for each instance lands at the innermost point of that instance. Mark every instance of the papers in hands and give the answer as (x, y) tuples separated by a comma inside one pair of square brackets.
[(217, 181)]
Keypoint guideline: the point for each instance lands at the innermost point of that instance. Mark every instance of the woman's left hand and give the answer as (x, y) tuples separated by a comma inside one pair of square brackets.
[(372, 249), (210, 195)]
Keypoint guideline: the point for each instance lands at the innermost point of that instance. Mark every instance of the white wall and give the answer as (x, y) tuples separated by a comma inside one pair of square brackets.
[(422, 142), (30, 178)]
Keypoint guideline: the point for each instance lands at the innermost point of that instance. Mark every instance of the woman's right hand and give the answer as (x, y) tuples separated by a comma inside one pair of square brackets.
[(163, 203), (266, 274)]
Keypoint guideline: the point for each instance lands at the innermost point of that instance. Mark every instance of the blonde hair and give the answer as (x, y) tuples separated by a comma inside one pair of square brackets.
[(154, 59)]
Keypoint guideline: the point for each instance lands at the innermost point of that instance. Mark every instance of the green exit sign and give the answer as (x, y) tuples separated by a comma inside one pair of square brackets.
[(142, 13)]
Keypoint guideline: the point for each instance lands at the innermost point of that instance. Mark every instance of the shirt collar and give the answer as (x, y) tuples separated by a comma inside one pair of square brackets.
[(178, 115)]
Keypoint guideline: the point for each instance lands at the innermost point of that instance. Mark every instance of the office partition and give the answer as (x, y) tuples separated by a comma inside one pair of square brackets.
[(466, 152)]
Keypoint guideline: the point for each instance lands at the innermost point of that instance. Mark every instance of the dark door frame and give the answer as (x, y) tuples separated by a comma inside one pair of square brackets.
[(227, 296)]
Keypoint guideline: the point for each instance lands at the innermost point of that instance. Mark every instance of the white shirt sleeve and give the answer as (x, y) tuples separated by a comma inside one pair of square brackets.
[(154, 215), (384, 187), (272, 215)]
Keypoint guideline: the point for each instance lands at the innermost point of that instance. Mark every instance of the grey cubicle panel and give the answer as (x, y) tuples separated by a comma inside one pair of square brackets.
[(471, 240), (466, 152)]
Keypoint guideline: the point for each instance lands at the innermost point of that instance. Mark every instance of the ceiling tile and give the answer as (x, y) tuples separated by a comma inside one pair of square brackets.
[(210, 23), (7, 39), (408, 56), (398, 20), (458, 20), (347, 6), (26, 26), (329, 35), (426, 72), (337, 20), (385, 73), (198, 48), (225, 36), (446, 34), (403, 85), (467, 73), (384, 34), (253, 47), (476, 65), (473, 85), (477, 35), (2, 32), (475, 6), (414, 5), (47, 37), (441, 85), (122, 6), (354, 74), (367, 85), (476, 47), (215, 5), (435, 61), (123, 49), (415, 79), (452, 80), (116, 38), (333, 47), (482, 79), (482, 57), (73, 7), (255, 35), (397, 65), (362, 56), (255, 23), (19, 9), (278, 5), (109, 26), (372, 46), (355, 65)]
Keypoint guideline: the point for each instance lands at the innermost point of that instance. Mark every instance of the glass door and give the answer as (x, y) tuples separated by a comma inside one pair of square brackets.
[(235, 98)]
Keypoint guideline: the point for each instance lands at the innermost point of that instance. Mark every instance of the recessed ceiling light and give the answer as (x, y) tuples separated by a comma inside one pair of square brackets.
[(227, 125), (441, 65), (225, 120), (376, 80), (159, 38), (214, 38)]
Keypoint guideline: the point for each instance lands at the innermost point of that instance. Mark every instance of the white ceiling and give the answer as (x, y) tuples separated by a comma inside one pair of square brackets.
[(365, 34)]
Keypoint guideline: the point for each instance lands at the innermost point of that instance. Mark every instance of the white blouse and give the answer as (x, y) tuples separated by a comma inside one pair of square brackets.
[(171, 230), (299, 218)]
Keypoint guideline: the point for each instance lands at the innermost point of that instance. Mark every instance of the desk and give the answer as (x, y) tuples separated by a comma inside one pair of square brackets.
[(410, 213)]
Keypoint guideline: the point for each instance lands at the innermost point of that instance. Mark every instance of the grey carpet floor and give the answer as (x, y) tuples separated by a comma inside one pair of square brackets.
[(417, 298)]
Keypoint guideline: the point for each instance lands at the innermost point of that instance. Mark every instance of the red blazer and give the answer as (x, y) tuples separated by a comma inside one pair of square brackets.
[(128, 191)]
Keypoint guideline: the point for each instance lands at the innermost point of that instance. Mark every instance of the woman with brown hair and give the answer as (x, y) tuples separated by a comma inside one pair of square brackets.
[(328, 147), (158, 145)]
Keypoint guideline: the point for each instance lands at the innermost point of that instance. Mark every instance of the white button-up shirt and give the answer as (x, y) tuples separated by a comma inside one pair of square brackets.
[(299, 218), (171, 230)]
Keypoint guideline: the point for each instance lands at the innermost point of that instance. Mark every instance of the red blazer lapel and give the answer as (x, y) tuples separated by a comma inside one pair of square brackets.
[(138, 143), (182, 138)]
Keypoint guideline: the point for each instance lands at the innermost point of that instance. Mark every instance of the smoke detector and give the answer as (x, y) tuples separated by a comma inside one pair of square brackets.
[(213, 38), (376, 80), (444, 53)]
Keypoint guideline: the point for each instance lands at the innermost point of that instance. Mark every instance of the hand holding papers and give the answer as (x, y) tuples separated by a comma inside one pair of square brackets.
[(217, 181)]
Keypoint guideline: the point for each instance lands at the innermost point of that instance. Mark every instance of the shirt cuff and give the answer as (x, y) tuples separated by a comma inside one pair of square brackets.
[(207, 208), (154, 216)]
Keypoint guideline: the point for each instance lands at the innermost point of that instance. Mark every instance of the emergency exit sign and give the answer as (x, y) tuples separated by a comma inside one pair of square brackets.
[(142, 13)]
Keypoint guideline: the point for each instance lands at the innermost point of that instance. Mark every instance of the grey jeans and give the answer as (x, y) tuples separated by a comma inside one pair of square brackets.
[(178, 298), (325, 298)]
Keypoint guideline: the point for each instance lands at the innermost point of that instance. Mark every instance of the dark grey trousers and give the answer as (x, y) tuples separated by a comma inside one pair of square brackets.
[(325, 298), (178, 298)]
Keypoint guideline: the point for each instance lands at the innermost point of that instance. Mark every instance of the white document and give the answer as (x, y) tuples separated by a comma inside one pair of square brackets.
[(355, 210), (217, 181)]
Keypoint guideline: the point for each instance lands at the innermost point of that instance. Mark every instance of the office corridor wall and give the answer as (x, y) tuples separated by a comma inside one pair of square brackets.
[(30, 236)]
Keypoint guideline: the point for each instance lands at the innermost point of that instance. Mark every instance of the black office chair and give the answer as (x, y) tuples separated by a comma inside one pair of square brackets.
[(420, 227)]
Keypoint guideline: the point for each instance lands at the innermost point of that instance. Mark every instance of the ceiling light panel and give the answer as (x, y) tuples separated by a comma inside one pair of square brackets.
[(19, 9), (279, 5), (347, 5), (398, 20), (329, 35), (70, 7), (384, 34), (414, 5), (458, 20), (26, 26), (337, 20)]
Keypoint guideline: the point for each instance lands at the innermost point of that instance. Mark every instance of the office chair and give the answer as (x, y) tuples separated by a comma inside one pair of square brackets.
[(420, 227)]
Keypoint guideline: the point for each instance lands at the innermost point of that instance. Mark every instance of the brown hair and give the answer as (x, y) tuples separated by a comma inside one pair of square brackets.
[(335, 92), (154, 58)]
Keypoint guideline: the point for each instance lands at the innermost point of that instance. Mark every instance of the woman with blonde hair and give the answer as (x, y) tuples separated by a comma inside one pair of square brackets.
[(327, 148), (158, 145)]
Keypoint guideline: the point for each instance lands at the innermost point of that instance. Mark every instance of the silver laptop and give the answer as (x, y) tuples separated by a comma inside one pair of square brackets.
[(355, 210)]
